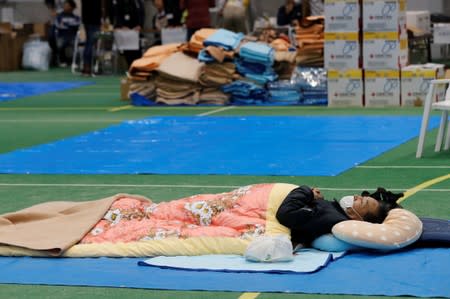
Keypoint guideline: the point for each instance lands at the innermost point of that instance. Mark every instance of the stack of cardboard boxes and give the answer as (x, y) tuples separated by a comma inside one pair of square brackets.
[(385, 50), (366, 54), (342, 54), (12, 39)]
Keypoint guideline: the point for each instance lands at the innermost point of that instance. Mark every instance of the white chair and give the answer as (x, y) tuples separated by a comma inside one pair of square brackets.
[(443, 106)]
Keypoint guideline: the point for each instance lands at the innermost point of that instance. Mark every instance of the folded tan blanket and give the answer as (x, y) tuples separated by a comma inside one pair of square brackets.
[(181, 66), (52, 227)]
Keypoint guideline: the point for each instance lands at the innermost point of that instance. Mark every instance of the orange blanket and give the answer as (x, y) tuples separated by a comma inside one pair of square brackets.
[(240, 213)]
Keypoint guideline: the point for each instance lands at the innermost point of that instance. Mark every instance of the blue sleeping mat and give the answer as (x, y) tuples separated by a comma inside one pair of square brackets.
[(250, 145), (13, 91), (422, 272), (435, 232)]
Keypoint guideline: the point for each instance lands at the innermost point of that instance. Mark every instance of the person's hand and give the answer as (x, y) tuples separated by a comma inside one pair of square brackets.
[(317, 193)]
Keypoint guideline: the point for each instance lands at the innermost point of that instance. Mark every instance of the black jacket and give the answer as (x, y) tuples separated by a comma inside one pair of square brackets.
[(91, 12), (284, 19), (308, 218), (128, 13)]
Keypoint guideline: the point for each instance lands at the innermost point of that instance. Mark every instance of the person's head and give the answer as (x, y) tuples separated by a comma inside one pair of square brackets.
[(159, 4), (289, 3), (370, 207), (69, 6)]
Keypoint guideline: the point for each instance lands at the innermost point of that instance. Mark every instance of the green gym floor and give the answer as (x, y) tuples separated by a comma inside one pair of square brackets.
[(44, 118)]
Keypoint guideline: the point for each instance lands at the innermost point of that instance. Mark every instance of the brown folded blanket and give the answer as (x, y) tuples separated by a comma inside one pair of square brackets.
[(52, 227)]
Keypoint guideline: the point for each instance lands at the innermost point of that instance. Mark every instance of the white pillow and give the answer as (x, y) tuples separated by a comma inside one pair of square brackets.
[(399, 229)]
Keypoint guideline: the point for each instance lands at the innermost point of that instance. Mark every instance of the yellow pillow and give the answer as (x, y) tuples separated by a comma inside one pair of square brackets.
[(399, 229)]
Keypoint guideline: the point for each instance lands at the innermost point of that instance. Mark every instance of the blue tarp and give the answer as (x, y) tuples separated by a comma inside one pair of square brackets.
[(250, 145), (13, 91), (419, 272)]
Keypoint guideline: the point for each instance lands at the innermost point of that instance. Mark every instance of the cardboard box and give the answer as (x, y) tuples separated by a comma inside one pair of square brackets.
[(345, 88), (6, 28), (384, 15), (382, 88), (342, 50), (125, 84), (342, 15), (441, 33), (419, 19), (384, 50), (12, 51), (41, 29), (415, 82)]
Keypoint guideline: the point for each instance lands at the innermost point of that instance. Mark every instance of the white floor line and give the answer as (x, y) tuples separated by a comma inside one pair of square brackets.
[(216, 111), (185, 186), (406, 167)]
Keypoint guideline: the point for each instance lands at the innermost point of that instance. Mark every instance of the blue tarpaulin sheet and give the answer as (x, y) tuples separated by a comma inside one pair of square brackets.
[(250, 145), (13, 91), (421, 272)]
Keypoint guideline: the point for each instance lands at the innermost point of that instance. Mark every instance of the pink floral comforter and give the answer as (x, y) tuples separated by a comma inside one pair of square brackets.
[(240, 213)]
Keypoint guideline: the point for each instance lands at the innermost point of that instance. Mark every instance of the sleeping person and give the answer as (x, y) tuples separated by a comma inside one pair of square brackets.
[(219, 223)]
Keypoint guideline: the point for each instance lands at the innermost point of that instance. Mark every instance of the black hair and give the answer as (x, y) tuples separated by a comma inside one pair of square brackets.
[(71, 3), (387, 201)]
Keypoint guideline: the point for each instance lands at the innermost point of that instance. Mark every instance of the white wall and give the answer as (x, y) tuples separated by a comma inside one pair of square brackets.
[(434, 6)]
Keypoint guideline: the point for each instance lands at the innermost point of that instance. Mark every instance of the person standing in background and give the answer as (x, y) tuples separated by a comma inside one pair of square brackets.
[(66, 25), (91, 17), (129, 15), (234, 13), (289, 14), (198, 14), (54, 7), (173, 12)]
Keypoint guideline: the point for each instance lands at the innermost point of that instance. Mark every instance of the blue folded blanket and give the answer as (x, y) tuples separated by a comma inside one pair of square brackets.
[(225, 39), (257, 52), (255, 71)]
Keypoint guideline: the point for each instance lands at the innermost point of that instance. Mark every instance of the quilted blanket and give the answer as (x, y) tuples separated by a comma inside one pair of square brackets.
[(131, 225)]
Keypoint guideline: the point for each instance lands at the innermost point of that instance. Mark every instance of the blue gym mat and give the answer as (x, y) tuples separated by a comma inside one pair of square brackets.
[(422, 272), (250, 145), (13, 91)]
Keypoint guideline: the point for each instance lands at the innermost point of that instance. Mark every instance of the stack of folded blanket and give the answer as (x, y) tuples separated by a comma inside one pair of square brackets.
[(195, 44), (310, 44), (256, 61), (245, 93), (218, 74), (141, 68), (220, 45), (284, 92), (212, 77), (213, 96), (177, 82), (141, 93)]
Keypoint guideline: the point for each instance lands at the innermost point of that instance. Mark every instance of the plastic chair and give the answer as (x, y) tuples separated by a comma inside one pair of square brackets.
[(443, 106)]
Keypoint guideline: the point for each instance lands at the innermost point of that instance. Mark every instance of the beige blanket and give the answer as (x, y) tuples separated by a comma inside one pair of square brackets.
[(52, 227)]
